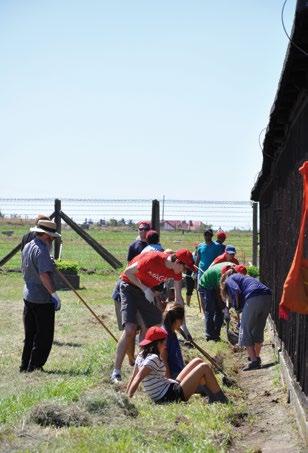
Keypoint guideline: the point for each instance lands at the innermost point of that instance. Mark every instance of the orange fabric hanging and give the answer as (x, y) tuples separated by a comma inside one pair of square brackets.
[(295, 289)]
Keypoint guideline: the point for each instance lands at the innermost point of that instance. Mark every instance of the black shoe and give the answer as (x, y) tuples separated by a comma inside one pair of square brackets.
[(218, 397), (258, 359), (254, 365), (34, 368)]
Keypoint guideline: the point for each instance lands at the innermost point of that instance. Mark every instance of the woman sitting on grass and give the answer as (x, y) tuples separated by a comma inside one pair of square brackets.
[(150, 369), (172, 354)]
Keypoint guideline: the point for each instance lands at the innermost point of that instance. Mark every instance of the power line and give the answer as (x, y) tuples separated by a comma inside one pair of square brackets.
[(286, 32)]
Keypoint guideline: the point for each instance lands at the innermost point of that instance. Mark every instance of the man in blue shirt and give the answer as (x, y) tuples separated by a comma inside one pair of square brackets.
[(140, 243), (40, 299), (207, 251)]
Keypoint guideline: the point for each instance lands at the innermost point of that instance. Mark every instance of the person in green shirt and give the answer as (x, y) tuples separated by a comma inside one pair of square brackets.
[(211, 300)]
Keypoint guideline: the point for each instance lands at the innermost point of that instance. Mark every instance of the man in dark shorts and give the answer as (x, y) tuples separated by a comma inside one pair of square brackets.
[(145, 272)]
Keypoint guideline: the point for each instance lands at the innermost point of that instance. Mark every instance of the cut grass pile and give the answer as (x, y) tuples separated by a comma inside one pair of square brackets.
[(72, 407)]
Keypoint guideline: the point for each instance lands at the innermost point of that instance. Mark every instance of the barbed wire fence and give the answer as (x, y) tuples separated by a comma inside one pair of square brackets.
[(225, 214)]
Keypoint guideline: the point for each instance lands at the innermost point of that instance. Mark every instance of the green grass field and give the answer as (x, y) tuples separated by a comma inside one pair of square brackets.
[(75, 385)]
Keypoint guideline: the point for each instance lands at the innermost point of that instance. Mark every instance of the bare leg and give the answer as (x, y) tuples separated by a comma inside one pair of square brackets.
[(127, 337), (190, 366), (258, 347), (199, 375), (251, 353), (131, 350)]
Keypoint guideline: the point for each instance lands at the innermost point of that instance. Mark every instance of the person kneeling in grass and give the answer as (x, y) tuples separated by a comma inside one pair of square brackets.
[(150, 369)]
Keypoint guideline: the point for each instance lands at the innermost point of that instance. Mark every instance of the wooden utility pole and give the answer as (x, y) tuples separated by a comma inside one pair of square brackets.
[(57, 242), (155, 221)]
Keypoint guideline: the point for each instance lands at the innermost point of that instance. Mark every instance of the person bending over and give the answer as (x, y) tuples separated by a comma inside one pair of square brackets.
[(251, 297), (143, 273)]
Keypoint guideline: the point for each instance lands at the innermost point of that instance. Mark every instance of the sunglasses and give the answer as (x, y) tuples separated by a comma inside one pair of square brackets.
[(143, 229)]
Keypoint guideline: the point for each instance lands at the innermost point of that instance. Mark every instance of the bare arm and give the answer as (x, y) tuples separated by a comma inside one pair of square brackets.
[(135, 371), (47, 282), (142, 373), (197, 259), (179, 300), (178, 292), (164, 357)]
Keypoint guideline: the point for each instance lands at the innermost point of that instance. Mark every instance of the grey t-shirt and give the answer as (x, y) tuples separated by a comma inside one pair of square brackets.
[(35, 260)]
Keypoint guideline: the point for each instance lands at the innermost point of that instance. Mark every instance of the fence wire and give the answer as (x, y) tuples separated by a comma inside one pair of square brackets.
[(224, 214)]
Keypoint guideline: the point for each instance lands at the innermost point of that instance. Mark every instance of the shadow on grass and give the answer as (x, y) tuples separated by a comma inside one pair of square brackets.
[(269, 365), (70, 344), (69, 372)]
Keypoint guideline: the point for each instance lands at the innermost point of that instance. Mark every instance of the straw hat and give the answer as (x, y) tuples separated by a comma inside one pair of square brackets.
[(46, 226)]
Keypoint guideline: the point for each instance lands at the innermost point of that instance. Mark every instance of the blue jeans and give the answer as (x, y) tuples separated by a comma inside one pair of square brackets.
[(212, 306)]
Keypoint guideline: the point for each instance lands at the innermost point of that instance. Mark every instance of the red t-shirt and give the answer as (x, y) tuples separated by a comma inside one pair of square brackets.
[(151, 269), (222, 258)]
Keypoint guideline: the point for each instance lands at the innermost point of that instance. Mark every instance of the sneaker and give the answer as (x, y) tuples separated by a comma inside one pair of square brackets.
[(255, 365), (115, 378)]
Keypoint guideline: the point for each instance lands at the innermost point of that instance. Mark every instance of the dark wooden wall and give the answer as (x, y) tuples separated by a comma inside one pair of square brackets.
[(280, 215)]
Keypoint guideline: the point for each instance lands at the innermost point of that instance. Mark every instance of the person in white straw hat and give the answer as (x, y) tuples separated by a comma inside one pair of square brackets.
[(40, 298)]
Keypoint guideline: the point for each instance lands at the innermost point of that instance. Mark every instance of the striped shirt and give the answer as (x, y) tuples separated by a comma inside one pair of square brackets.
[(155, 384)]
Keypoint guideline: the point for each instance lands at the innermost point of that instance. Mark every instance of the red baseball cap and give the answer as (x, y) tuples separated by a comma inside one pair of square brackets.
[(185, 256), (241, 269), (221, 235), (144, 224), (226, 268), (154, 333)]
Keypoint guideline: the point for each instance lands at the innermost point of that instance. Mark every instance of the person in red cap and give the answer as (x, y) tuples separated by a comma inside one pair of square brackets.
[(241, 269), (134, 249), (152, 238), (228, 255), (151, 371), (138, 292), (220, 239), (213, 305)]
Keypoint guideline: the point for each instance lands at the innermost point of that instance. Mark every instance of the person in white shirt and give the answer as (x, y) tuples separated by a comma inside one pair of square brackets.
[(150, 369)]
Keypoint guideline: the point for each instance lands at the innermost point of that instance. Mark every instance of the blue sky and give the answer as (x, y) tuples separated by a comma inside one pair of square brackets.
[(136, 99)]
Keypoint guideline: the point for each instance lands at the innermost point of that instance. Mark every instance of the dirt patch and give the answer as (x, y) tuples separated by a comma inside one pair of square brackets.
[(269, 425)]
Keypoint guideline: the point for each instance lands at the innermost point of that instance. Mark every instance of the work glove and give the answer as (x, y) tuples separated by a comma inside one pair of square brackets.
[(149, 295), (55, 300)]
